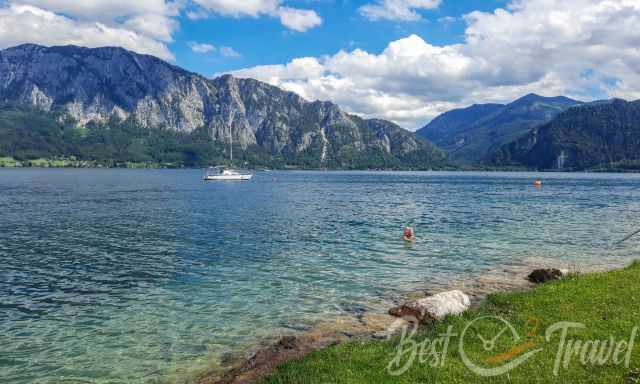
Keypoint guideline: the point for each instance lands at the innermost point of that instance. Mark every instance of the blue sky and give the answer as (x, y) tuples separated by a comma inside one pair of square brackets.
[(402, 60), (265, 40)]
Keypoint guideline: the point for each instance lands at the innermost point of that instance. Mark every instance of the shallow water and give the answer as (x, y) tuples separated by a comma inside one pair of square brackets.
[(143, 276)]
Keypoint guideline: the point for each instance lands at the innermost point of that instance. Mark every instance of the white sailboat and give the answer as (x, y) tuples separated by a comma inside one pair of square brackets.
[(222, 173)]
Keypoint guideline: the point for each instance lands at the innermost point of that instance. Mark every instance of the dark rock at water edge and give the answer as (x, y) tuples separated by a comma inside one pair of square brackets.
[(543, 275)]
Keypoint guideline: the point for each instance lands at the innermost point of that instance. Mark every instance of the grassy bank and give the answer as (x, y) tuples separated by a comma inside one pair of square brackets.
[(606, 304), (10, 162)]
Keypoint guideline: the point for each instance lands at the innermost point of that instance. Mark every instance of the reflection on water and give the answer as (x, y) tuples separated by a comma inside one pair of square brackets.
[(127, 276)]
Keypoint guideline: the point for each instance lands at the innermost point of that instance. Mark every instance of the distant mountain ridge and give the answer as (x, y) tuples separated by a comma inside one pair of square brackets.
[(469, 134), (604, 134), (102, 86)]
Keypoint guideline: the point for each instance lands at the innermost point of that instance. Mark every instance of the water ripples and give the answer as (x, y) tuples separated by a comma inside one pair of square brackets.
[(125, 276)]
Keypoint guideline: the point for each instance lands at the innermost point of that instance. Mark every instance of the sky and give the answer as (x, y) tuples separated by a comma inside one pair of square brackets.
[(401, 60)]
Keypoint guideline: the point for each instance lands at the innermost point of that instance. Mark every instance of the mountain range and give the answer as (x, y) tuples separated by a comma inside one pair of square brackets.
[(470, 134), (601, 135), (113, 104)]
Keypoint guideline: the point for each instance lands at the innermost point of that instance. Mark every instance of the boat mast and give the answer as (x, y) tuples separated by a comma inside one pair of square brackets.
[(231, 144)]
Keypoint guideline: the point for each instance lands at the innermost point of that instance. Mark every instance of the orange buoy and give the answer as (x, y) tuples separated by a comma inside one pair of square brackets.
[(538, 183)]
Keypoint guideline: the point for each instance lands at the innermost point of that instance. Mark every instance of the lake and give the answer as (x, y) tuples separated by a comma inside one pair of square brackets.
[(145, 276)]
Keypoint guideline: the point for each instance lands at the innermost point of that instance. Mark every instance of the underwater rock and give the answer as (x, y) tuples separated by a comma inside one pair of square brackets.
[(288, 342)]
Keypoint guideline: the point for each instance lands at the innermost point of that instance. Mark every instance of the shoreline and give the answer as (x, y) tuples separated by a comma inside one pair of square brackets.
[(261, 360), (62, 164)]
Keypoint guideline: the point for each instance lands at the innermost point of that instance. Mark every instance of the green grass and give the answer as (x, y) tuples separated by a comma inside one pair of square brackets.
[(608, 304), (72, 162), (8, 162)]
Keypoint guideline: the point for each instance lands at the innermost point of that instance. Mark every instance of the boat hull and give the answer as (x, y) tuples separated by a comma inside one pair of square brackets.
[(228, 177)]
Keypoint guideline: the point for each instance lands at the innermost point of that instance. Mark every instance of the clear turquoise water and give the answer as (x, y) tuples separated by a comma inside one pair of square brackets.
[(138, 276)]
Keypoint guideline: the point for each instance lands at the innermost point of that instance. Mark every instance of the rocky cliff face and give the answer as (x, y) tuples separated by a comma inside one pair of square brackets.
[(98, 85)]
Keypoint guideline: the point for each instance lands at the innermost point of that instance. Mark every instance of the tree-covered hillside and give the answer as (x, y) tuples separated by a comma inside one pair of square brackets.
[(28, 134), (468, 134), (595, 136)]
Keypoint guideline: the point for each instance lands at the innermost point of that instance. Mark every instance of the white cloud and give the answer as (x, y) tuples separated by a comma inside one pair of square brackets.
[(201, 47), (153, 25), (29, 24), (402, 10), (447, 20), (229, 52), (238, 8), (105, 9), (580, 48), (144, 26), (299, 20)]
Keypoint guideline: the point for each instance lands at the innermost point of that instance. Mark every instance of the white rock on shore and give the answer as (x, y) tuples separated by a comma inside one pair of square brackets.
[(434, 307)]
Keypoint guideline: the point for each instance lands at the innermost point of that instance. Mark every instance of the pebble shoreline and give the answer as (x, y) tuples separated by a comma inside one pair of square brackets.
[(370, 325)]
